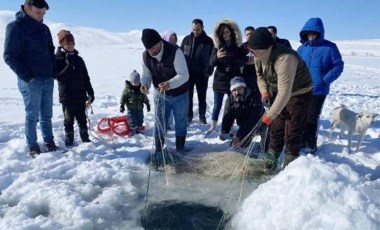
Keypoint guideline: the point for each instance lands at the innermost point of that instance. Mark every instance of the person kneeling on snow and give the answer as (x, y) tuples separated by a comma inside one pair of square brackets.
[(242, 106), (134, 99), (75, 89)]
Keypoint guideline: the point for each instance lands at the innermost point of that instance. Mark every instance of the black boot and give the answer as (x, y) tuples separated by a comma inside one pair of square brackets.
[(69, 139), (84, 136), (180, 144)]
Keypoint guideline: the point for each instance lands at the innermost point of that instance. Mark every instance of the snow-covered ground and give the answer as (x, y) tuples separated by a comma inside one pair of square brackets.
[(103, 184)]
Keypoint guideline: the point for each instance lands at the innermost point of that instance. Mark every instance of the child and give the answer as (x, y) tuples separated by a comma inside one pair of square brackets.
[(135, 100), (75, 89)]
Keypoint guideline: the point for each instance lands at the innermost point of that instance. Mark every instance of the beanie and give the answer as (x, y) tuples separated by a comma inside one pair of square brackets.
[(64, 36), (260, 39), (237, 82), (150, 37), (135, 77), (38, 3)]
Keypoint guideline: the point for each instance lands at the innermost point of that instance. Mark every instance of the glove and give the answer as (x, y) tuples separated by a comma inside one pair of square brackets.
[(265, 100), (90, 98), (122, 108)]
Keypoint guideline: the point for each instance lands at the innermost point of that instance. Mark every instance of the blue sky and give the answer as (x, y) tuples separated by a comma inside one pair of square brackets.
[(343, 19)]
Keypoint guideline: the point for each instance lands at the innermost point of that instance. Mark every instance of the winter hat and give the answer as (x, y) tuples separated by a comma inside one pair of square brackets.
[(38, 3), (64, 36), (260, 39), (150, 37), (134, 77), (237, 82)]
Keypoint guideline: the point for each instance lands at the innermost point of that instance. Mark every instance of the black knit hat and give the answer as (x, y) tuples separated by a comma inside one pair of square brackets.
[(260, 39), (150, 37), (38, 3)]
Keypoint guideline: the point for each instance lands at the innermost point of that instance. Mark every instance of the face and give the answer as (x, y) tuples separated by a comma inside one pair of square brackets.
[(226, 34), (272, 33), (173, 39), (34, 12), (248, 34), (155, 50), (197, 29), (257, 52), (239, 91), (69, 46), (311, 36)]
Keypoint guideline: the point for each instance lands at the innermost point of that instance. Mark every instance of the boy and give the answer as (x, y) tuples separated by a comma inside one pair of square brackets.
[(75, 89), (134, 100)]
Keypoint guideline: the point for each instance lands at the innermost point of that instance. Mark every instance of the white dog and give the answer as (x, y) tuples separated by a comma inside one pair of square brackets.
[(353, 122)]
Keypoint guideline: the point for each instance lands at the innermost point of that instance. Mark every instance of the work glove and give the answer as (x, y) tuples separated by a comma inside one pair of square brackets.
[(122, 109)]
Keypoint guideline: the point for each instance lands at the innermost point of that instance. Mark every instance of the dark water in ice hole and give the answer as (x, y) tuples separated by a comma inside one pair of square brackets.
[(188, 201)]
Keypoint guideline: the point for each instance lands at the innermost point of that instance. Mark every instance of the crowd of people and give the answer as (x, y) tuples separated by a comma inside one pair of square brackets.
[(263, 72)]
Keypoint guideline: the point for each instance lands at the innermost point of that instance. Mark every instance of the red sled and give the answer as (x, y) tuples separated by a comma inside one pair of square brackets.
[(118, 125)]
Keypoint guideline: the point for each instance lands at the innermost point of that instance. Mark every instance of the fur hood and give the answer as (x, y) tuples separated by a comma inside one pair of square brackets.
[(235, 28)]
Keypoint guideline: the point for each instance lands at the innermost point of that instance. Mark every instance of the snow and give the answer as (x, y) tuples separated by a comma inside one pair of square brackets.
[(102, 185)]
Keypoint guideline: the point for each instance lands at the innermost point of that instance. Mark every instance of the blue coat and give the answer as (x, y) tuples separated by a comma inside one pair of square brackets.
[(321, 56), (29, 49)]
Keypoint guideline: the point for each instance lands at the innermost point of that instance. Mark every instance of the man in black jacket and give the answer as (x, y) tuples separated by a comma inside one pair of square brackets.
[(273, 31), (197, 48)]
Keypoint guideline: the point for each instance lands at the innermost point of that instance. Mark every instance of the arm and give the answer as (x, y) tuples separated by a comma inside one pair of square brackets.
[(337, 65), (146, 76), (180, 67), (285, 67), (13, 47)]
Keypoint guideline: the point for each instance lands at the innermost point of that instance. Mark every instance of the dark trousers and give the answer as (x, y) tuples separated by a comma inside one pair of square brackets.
[(135, 117), (73, 111), (287, 128), (201, 83), (312, 121)]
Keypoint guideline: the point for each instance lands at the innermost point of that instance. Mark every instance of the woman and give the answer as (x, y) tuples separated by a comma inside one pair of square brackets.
[(227, 57)]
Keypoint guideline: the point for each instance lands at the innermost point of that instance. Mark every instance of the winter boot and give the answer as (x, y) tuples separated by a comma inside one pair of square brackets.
[(271, 160), (289, 158), (212, 127), (69, 141), (34, 150), (180, 144), (84, 136), (50, 146), (203, 120), (132, 132)]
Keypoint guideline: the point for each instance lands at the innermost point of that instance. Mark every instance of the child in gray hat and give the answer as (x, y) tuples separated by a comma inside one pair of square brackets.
[(134, 100)]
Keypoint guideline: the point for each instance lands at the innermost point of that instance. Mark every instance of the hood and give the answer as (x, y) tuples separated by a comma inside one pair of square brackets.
[(234, 27), (166, 35), (315, 25)]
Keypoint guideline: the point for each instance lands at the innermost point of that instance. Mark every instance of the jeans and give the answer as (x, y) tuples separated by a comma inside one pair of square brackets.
[(163, 106), (135, 117), (38, 101), (218, 102)]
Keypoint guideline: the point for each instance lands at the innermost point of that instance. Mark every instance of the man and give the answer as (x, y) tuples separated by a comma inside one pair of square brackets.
[(325, 64), (165, 66), (273, 31), (29, 51), (285, 83), (242, 106), (197, 48)]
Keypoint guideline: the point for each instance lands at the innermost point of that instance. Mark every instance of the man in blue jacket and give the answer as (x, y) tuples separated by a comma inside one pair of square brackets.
[(325, 65), (29, 51)]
